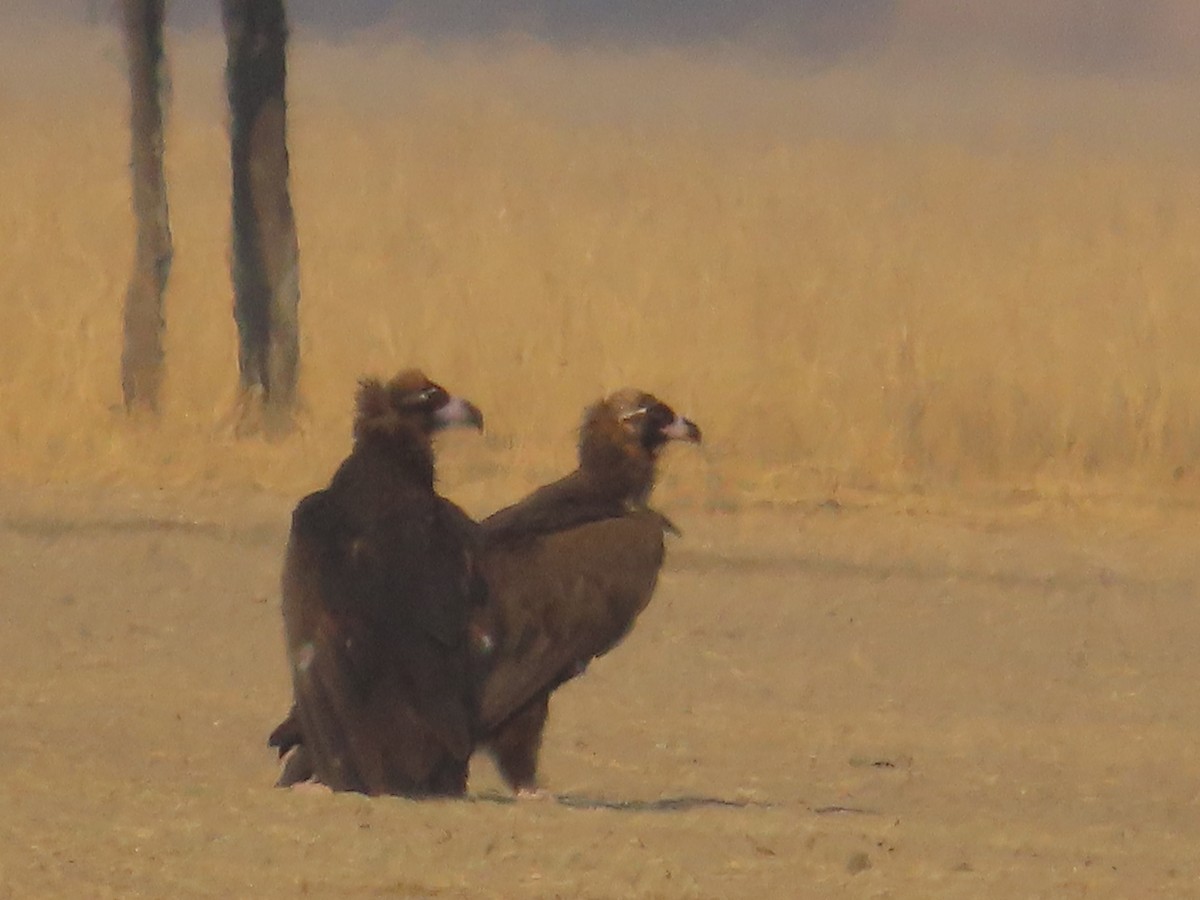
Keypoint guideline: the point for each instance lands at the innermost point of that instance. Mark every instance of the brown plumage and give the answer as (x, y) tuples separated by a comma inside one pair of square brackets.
[(569, 569), (379, 588)]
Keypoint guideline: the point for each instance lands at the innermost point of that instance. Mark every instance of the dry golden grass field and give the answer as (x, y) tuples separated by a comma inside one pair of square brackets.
[(931, 627), (884, 277)]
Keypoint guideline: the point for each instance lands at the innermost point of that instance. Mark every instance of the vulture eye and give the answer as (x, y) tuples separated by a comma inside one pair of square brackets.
[(430, 397), (661, 415)]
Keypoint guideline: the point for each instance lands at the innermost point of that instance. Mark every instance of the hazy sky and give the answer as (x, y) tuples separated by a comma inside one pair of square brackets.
[(803, 24), (1088, 35)]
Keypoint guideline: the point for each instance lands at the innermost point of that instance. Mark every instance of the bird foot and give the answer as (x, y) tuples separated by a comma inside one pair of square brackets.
[(311, 787), (533, 793)]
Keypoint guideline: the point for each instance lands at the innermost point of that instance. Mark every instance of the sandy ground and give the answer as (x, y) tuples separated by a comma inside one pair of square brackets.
[(828, 701)]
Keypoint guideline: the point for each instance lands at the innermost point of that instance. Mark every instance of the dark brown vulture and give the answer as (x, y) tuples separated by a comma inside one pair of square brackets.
[(379, 590), (569, 569)]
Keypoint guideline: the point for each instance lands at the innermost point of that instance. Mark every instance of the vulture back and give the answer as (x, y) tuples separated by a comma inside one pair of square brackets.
[(375, 623), (561, 598)]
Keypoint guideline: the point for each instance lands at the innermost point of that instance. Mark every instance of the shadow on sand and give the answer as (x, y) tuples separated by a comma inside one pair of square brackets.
[(661, 804), (664, 804)]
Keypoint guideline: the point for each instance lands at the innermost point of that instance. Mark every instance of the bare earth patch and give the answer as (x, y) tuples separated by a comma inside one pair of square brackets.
[(911, 706)]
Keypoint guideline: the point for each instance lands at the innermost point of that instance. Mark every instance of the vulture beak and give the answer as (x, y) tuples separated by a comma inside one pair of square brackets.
[(682, 430), (457, 411)]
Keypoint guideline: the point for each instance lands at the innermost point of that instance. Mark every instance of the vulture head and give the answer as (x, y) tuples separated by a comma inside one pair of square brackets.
[(407, 408), (625, 432)]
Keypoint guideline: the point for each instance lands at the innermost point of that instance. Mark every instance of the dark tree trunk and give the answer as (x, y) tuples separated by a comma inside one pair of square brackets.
[(142, 353), (265, 253)]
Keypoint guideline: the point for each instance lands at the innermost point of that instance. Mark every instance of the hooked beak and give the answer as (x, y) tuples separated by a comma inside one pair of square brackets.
[(458, 411), (682, 430)]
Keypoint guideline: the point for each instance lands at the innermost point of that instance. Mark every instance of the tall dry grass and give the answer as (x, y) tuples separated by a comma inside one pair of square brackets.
[(880, 278)]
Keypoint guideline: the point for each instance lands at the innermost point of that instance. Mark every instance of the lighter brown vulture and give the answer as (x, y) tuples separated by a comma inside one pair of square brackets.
[(569, 569), (379, 589)]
